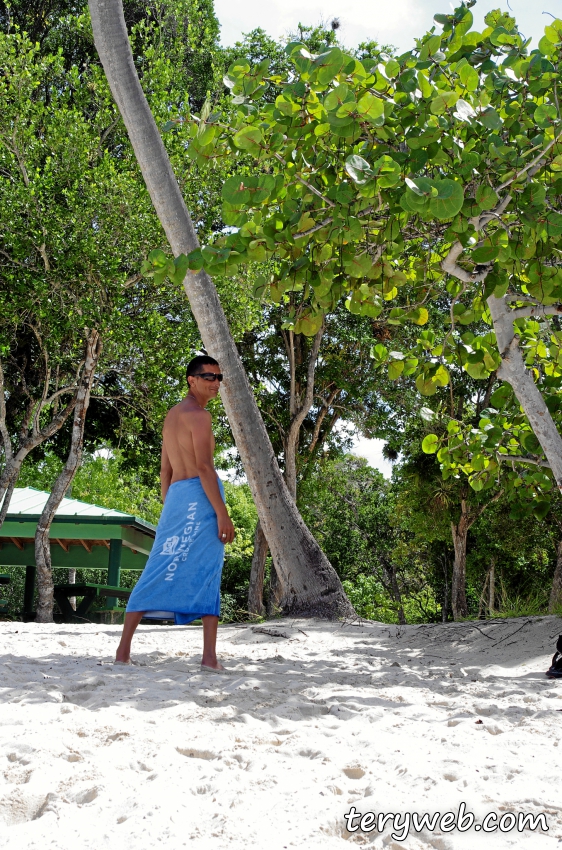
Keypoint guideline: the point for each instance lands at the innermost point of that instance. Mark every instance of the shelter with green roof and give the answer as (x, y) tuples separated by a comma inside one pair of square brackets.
[(82, 536)]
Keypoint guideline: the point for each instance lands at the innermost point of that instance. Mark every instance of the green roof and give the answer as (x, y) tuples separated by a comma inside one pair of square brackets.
[(27, 503)]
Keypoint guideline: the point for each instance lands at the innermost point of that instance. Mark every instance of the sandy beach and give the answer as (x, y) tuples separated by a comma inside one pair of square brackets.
[(312, 719)]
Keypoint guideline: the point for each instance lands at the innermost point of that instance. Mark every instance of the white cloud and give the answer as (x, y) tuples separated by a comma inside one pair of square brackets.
[(397, 22), (371, 450)]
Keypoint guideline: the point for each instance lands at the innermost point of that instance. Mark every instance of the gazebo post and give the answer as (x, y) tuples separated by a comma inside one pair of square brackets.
[(114, 570), (29, 591)]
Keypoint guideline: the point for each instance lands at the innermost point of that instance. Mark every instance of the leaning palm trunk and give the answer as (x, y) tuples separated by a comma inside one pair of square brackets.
[(45, 585), (310, 584)]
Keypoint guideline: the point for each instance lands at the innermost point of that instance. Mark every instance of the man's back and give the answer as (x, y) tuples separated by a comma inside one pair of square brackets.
[(187, 441)]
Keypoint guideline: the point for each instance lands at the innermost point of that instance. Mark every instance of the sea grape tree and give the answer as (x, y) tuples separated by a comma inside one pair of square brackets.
[(404, 185)]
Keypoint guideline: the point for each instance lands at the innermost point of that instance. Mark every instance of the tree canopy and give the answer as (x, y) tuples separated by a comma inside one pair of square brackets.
[(406, 184)]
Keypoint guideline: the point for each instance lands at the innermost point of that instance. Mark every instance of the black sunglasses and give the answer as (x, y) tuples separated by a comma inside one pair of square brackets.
[(209, 376)]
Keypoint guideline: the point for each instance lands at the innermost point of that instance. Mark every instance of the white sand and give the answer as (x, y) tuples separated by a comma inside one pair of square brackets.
[(272, 756)]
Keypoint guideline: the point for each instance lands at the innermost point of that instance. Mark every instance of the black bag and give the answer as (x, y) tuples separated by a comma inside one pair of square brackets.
[(555, 670)]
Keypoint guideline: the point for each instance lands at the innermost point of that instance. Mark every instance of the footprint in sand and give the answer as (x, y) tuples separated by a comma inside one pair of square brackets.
[(354, 772)]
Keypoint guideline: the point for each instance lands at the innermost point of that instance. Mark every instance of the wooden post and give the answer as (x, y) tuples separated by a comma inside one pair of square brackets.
[(29, 592), (72, 580), (114, 570)]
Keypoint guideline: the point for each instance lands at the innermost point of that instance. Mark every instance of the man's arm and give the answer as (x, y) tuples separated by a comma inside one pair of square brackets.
[(202, 438), (165, 472)]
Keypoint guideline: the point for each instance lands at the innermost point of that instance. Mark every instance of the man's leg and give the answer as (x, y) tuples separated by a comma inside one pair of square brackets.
[(132, 619), (210, 625)]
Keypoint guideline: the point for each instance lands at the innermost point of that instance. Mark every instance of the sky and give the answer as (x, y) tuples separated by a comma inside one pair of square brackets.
[(397, 22)]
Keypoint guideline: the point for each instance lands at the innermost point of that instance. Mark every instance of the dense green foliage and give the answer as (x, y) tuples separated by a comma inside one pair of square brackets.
[(369, 174), (327, 186)]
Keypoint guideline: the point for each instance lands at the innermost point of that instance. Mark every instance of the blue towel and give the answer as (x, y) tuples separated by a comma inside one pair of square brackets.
[(181, 579)]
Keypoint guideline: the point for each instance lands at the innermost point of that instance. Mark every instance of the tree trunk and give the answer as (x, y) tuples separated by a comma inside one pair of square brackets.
[(13, 461), (311, 585), (8, 493), (444, 607), (492, 588), (555, 600), (458, 584), (274, 596), (514, 371), (299, 412), (45, 585), (255, 593), (390, 571)]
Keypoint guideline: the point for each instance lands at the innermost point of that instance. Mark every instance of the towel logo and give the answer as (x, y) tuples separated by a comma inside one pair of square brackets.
[(169, 547), (182, 551)]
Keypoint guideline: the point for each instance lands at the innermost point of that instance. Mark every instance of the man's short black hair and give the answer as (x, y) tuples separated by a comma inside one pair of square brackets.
[(194, 366)]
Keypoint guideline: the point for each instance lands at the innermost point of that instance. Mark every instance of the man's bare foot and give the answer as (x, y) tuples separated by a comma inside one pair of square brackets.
[(213, 668), (122, 657)]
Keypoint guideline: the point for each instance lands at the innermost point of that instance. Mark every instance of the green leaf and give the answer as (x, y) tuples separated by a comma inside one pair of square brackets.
[(427, 414), (443, 101), (327, 65), (357, 265), (425, 386), (464, 111), (477, 371), (441, 377), (476, 482), (545, 115), (236, 191), (395, 369), (196, 260), (542, 508), (358, 169), (554, 31), (392, 68), (530, 443), (260, 287), (371, 108), (248, 139), (430, 444), (379, 353), (309, 325), (421, 187), (419, 316), (486, 197), (485, 254), (181, 264), (449, 200), (491, 119), (469, 77), (158, 258)]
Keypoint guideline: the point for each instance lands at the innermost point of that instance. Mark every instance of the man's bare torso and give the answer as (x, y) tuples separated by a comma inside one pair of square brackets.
[(177, 437)]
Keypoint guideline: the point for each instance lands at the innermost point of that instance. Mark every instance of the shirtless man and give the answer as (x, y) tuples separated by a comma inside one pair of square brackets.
[(187, 452)]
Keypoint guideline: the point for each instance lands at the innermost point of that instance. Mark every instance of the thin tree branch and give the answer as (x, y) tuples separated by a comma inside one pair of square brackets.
[(304, 182), (519, 459), (533, 162), (536, 311)]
